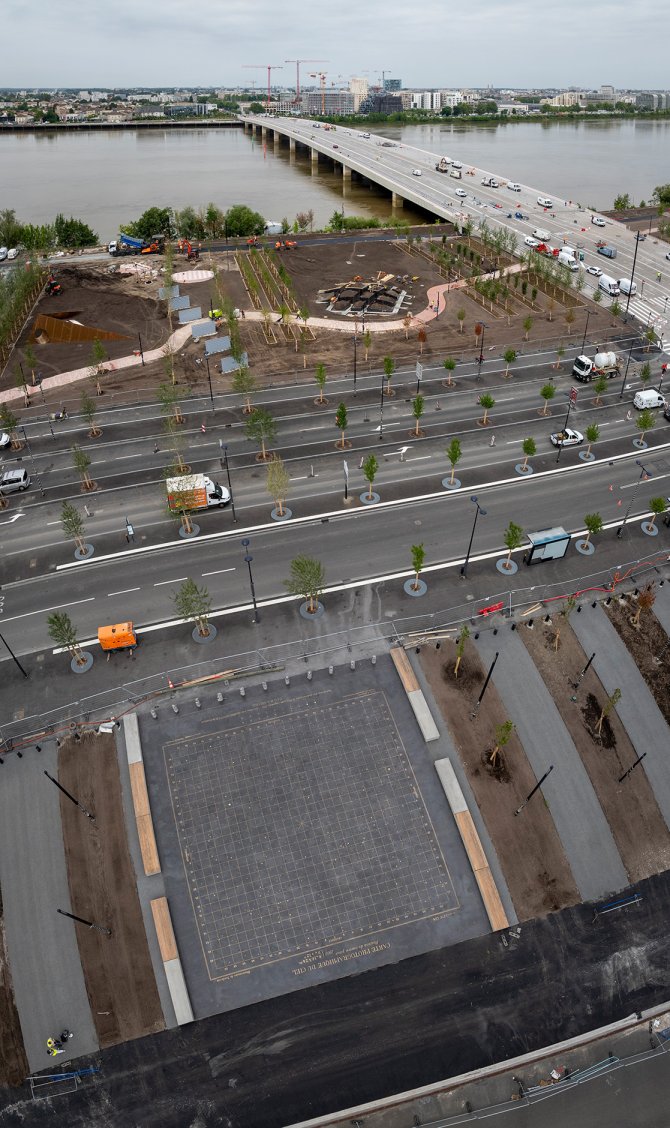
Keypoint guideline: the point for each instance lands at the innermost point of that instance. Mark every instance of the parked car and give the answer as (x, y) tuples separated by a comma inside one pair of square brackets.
[(13, 253), (594, 270), (461, 192), (531, 242), (597, 221), (4, 439), (568, 437), (3, 254)]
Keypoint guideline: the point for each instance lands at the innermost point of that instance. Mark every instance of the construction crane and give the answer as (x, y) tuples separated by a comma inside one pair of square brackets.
[(297, 74), (269, 69), (321, 75)]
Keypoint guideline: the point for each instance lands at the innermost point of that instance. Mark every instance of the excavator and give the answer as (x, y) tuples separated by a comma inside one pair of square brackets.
[(155, 246), (186, 248), (53, 287)]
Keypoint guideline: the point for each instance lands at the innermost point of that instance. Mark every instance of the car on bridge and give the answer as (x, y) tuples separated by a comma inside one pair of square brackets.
[(461, 192), (514, 187), (567, 437), (597, 221), (531, 242), (594, 270), (416, 172)]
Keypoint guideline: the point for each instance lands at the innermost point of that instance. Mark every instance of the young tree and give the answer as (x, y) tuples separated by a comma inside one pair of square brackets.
[(547, 391), (503, 735), (341, 422), (597, 297), (658, 506), (645, 600), (168, 398), (610, 704), (509, 356), (512, 538), (244, 384), (593, 524), (72, 524), (389, 369), (367, 341), (195, 603), (644, 422), (422, 338), (9, 422), (89, 411), (565, 612), (62, 631), (82, 465), (529, 448), (98, 360), (460, 314), (487, 403), (599, 388), (453, 453), (463, 636), (261, 428), (31, 360), (560, 353), (176, 441), (645, 373), (308, 580), (450, 365), (20, 382), (320, 377), (418, 558), (370, 468), (278, 483), (569, 318), (527, 326), (418, 408), (592, 433), (407, 324), (615, 310)]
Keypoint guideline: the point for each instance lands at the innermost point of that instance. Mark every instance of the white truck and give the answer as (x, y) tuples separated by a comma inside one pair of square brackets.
[(456, 173), (195, 491), (605, 364), (490, 182), (541, 234)]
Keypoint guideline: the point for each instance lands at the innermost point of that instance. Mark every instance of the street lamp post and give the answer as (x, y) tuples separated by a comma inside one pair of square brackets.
[(586, 329), (478, 510), (632, 275), (643, 474), (12, 655), (567, 416), (71, 797), (139, 337), (625, 375), (247, 560), (209, 380), (381, 411), (537, 787), (480, 359), (224, 466), (355, 356)]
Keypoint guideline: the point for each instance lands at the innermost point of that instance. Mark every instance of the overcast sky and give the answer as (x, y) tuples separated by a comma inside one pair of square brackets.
[(92, 43)]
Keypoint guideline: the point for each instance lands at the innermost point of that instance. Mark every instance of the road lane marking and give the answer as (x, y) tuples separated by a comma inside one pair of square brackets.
[(178, 580), (219, 573), (56, 607), (124, 592)]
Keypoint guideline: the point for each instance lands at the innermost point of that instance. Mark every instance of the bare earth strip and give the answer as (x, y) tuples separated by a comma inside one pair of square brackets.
[(629, 805), (535, 867)]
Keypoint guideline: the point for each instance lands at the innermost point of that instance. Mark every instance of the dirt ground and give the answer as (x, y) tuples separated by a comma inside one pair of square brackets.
[(645, 643), (628, 805), (537, 873), (117, 970), (13, 1060)]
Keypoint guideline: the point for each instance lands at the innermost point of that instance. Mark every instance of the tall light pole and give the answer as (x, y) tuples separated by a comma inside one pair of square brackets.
[(139, 337), (478, 510), (247, 560), (632, 275), (209, 380), (643, 474), (480, 359), (625, 375), (224, 465), (355, 355), (586, 329), (381, 411), (567, 416)]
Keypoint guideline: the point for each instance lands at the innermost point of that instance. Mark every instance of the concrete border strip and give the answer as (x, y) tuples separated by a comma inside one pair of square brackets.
[(138, 787), (174, 972), (473, 846), (424, 718)]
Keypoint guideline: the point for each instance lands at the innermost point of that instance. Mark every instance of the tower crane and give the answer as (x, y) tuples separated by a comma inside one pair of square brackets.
[(321, 75), (297, 74), (269, 69)]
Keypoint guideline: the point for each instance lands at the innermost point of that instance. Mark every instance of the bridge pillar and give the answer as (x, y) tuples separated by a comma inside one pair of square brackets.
[(291, 144), (346, 172), (315, 156), (396, 200), (264, 132)]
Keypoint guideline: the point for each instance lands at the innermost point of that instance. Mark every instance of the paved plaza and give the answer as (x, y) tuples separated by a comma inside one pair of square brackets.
[(304, 836)]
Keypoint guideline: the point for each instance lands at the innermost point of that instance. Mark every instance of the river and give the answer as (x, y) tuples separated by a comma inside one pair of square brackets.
[(107, 178)]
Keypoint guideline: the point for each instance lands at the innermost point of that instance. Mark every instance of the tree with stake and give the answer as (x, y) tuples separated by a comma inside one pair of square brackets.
[(20, 382), (607, 709), (615, 310), (261, 428), (31, 361), (487, 402), (547, 391), (529, 448), (244, 384), (370, 468), (98, 360), (565, 612), (195, 603), (342, 422), (560, 353), (407, 324), (454, 454), (367, 341), (418, 558), (645, 373), (72, 524), (593, 524), (644, 422), (82, 465), (89, 411), (658, 506), (176, 440), (460, 314), (308, 580), (599, 387), (509, 356), (569, 318), (178, 504), (418, 408), (597, 297), (62, 631), (320, 377), (592, 434), (645, 601), (503, 735), (512, 539), (278, 483), (527, 326), (389, 369), (168, 398), (422, 338), (450, 365), (463, 636), (9, 423)]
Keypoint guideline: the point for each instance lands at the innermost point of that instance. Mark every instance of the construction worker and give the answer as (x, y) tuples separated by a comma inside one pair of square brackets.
[(54, 1047)]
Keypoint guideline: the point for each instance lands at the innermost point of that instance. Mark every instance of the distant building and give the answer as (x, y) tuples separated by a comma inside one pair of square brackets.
[(330, 101), (186, 109), (392, 85), (381, 104)]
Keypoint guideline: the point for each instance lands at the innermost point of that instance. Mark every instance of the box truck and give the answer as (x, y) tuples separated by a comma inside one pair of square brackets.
[(193, 492)]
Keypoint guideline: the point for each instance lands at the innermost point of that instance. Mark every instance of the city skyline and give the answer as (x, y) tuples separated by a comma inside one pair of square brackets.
[(144, 43)]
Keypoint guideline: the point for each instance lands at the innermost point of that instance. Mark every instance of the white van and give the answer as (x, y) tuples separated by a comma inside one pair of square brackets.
[(608, 285), (648, 398), (628, 287), (542, 235), (13, 481), (568, 260), (545, 202)]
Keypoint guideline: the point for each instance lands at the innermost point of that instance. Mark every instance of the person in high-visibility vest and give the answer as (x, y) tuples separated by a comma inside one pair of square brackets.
[(54, 1047)]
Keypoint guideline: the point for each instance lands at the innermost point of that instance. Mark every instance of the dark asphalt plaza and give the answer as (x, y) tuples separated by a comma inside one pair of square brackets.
[(303, 835)]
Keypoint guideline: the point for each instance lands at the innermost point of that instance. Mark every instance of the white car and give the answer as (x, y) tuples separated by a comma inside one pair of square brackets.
[(4, 439), (461, 192), (456, 164), (514, 187), (597, 221), (594, 270), (416, 172), (545, 202), (568, 437), (13, 253), (531, 242)]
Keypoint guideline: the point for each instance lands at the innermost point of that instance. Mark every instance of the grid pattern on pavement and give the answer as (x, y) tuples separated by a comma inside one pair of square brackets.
[(302, 826)]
